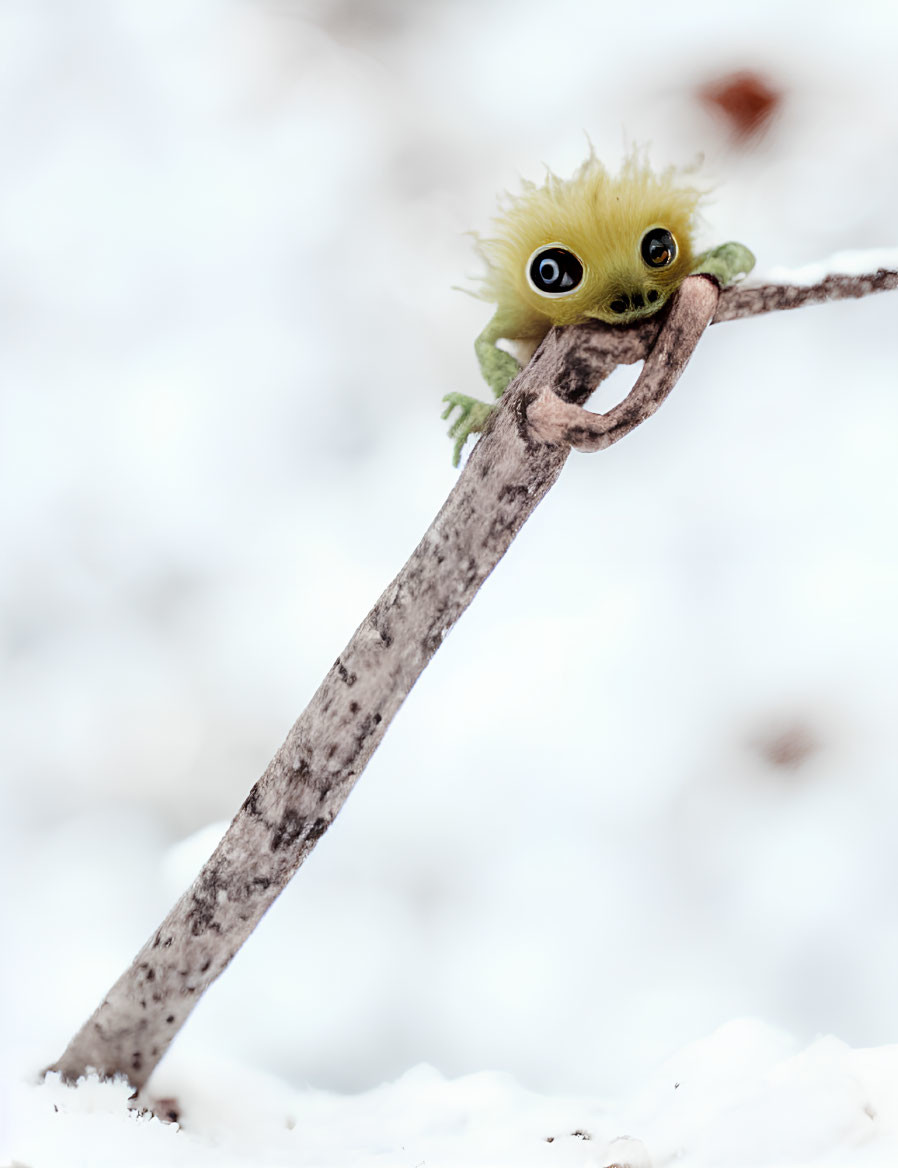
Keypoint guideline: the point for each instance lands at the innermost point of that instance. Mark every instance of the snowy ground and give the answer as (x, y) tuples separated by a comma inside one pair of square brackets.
[(229, 231), (742, 1098)]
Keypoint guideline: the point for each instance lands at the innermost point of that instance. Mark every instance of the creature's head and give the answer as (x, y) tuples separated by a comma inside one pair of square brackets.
[(596, 245)]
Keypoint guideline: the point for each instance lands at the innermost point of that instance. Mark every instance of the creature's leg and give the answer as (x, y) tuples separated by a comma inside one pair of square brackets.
[(498, 368), (726, 263)]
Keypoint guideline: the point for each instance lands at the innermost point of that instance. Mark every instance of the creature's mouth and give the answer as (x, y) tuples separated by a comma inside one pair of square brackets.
[(632, 304)]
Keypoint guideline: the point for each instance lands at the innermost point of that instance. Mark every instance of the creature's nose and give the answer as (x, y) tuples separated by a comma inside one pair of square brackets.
[(630, 301)]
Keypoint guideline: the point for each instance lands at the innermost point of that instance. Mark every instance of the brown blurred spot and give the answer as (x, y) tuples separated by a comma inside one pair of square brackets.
[(788, 748), (743, 100), (168, 1110)]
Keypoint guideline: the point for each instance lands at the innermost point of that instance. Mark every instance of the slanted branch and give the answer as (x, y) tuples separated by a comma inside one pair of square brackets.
[(514, 464)]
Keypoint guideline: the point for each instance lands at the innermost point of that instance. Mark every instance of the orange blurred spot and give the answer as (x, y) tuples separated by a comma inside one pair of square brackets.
[(744, 100)]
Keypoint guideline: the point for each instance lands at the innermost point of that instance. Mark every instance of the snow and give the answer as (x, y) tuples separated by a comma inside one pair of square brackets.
[(742, 1097), (663, 791), (845, 263)]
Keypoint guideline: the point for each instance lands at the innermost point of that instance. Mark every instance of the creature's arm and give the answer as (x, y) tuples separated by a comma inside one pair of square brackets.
[(498, 369), (726, 263), (497, 366)]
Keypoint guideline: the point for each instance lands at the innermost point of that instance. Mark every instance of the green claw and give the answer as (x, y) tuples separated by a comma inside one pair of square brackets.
[(726, 263), (472, 418)]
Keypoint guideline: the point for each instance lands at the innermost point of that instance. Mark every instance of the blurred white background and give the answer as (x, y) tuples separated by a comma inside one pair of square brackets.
[(648, 783)]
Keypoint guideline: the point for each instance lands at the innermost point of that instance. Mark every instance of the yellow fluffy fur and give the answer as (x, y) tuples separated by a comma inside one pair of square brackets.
[(602, 218)]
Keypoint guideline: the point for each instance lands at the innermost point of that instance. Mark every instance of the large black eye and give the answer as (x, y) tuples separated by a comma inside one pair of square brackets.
[(658, 247), (554, 271)]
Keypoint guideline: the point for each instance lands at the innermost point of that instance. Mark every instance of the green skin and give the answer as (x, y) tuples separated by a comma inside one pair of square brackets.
[(725, 263)]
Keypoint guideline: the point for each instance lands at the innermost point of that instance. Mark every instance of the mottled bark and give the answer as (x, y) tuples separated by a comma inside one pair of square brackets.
[(562, 422), (294, 802), (740, 301)]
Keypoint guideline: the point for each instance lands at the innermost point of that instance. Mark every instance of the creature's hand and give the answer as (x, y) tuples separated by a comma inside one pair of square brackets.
[(471, 419), (726, 263)]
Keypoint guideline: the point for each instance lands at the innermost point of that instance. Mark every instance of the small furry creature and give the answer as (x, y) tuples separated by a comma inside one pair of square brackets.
[(596, 246)]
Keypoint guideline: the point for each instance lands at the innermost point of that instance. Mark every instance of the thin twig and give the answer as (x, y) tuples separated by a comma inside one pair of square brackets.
[(292, 805), (745, 300)]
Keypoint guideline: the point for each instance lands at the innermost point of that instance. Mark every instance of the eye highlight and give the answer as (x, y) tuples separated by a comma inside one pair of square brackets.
[(658, 248), (554, 271)]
